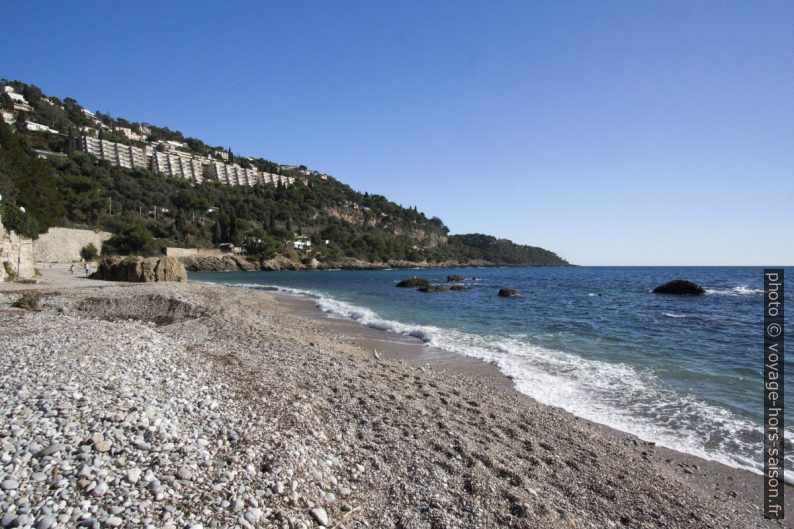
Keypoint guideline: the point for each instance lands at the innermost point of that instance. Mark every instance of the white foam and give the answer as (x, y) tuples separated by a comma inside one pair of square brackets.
[(741, 290), (673, 315), (617, 395)]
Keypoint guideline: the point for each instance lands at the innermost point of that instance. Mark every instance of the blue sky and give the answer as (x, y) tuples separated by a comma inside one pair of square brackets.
[(609, 132)]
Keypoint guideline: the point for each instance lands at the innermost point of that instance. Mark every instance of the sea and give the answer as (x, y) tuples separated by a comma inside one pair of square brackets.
[(682, 371)]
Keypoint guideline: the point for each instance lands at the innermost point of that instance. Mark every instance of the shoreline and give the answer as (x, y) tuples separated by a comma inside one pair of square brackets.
[(410, 349), (442, 439)]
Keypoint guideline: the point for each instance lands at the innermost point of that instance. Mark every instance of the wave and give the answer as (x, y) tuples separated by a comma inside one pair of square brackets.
[(673, 315), (741, 290), (616, 395)]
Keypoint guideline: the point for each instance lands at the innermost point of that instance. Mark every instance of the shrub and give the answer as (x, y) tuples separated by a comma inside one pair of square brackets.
[(89, 252), (9, 268)]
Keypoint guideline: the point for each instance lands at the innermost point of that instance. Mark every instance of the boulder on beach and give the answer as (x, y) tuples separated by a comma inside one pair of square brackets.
[(508, 293), (680, 287), (413, 282), (454, 278), (138, 269)]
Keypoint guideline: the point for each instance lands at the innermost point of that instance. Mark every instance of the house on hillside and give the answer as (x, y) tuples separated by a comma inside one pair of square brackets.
[(38, 127)]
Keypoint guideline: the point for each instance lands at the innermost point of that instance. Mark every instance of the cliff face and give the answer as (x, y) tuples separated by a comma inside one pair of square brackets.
[(16, 256), (63, 245)]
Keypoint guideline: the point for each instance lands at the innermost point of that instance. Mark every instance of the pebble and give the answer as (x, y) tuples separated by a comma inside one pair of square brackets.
[(101, 446), (10, 484), (319, 514), (133, 475), (46, 522), (184, 473)]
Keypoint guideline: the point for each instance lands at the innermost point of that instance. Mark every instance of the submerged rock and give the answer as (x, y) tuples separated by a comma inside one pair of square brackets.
[(414, 282), (454, 278), (680, 287), (508, 293), (434, 288)]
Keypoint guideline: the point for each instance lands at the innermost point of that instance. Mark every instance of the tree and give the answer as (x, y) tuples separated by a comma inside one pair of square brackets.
[(89, 252), (134, 241)]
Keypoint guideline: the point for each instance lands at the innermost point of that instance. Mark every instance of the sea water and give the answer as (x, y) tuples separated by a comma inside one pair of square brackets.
[(683, 371)]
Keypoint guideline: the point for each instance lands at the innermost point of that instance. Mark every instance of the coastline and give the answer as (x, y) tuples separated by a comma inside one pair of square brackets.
[(443, 440), (700, 472), (237, 263)]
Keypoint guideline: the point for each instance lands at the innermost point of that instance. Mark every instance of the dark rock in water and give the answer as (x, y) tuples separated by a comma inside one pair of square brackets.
[(414, 282), (434, 288), (508, 293), (458, 288), (454, 278), (680, 287)]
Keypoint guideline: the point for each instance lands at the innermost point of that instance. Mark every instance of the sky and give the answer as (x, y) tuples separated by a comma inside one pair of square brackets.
[(612, 133)]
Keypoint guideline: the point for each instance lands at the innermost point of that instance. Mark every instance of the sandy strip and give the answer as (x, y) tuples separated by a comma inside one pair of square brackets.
[(191, 405)]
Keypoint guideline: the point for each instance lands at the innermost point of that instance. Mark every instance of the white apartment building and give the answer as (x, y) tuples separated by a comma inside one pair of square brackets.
[(231, 174), (115, 153), (163, 157), (178, 164), (38, 127), (8, 117)]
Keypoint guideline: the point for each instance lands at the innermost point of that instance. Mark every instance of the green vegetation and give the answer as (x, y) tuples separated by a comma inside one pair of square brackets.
[(147, 211), (89, 252), (9, 268)]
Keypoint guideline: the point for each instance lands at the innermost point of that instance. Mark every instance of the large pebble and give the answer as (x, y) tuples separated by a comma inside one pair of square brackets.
[(320, 515)]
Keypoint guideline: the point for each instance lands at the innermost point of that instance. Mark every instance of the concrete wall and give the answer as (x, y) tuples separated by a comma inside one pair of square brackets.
[(16, 251), (171, 251), (63, 245)]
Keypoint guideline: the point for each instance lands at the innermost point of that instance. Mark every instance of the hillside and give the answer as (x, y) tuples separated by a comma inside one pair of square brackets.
[(44, 171)]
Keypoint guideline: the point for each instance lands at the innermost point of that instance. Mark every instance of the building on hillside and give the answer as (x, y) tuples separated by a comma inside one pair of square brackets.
[(8, 117), (231, 174), (301, 243), (22, 107), (41, 153), (116, 153), (170, 145), (17, 100), (89, 131), (130, 134), (38, 127), (178, 164)]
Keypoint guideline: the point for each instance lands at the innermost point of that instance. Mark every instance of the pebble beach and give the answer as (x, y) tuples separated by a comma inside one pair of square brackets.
[(188, 405)]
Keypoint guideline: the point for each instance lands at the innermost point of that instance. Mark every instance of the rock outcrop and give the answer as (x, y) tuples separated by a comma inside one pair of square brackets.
[(281, 262), (508, 293), (680, 287), (137, 269), (454, 278), (223, 263), (434, 288), (414, 282)]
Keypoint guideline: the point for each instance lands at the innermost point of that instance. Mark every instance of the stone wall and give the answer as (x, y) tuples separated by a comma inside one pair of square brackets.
[(63, 245), (17, 252), (172, 251)]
